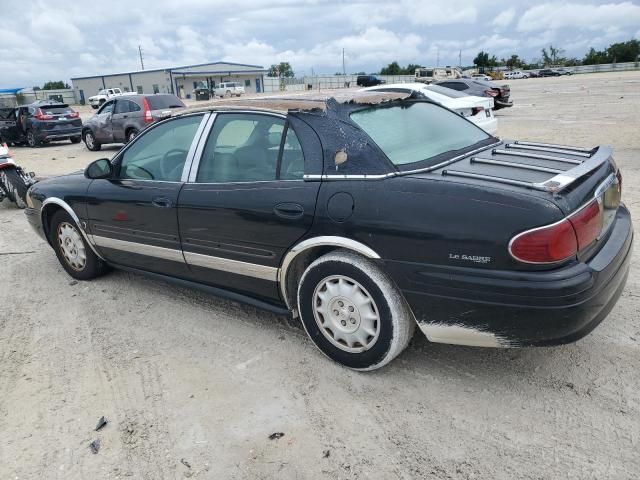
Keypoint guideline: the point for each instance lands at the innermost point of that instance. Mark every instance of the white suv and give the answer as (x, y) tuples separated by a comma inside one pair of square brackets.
[(229, 89), (515, 74), (103, 96)]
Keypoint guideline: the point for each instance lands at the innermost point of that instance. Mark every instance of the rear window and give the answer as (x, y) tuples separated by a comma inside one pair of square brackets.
[(417, 132), (449, 92), (159, 102), (56, 110)]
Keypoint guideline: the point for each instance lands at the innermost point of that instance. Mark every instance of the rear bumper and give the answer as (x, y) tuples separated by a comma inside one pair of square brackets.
[(470, 306), (502, 103), (59, 134)]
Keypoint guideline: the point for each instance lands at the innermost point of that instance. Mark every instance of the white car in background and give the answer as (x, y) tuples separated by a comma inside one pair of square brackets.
[(481, 76), (104, 95), (478, 110), (229, 89), (514, 74)]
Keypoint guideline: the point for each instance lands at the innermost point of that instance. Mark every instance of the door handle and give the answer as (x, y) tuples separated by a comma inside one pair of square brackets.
[(289, 211), (162, 202)]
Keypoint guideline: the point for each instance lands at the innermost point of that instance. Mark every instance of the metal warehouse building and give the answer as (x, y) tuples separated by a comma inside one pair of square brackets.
[(179, 80)]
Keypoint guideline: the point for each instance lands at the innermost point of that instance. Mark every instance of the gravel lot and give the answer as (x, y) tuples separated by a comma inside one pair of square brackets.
[(192, 386)]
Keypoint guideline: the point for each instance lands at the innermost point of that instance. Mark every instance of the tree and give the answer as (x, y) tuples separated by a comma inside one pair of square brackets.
[(282, 69), (392, 69), (51, 85), (594, 57), (553, 56), (411, 69), (624, 51), (514, 62), (483, 60)]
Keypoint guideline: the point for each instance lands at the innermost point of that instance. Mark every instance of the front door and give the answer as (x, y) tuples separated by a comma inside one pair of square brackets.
[(104, 128), (246, 203), (119, 117), (133, 217)]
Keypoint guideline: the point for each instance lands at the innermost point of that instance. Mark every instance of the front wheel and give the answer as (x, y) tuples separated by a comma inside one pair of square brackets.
[(14, 187), (72, 250), (353, 312), (91, 142)]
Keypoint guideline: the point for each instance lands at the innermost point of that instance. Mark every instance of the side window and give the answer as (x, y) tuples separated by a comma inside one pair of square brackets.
[(122, 106), (241, 148), (134, 107), (292, 163), (459, 86), (160, 153), (107, 107)]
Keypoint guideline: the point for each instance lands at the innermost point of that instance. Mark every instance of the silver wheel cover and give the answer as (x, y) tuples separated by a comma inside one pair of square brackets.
[(72, 246), (346, 314)]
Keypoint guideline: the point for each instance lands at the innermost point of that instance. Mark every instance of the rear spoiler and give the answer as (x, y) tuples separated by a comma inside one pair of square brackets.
[(580, 160)]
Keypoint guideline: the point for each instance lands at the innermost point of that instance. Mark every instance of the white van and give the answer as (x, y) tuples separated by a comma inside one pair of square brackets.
[(514, 74)]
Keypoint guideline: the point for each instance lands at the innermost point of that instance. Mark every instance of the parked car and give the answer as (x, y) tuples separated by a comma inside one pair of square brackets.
[(547, 72), (103, 96), (433, 74), (563, 71), (229, 89), (369, 81), (480, 88), (515, 74), (478, 110), (481, 76), (40, 122), (121, 119), (362, 214)]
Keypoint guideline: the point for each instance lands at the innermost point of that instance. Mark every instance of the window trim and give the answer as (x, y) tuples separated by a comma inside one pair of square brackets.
[(193, 173)]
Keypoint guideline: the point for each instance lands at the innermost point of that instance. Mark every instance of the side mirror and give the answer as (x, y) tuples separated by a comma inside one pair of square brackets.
[(101, 168)]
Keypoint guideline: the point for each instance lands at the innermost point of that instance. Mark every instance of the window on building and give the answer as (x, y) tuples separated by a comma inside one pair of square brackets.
[(247, 83), (139, 89), (156, 89)]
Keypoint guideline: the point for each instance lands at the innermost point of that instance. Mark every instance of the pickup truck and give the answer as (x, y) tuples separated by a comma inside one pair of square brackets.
[(103, 96), (228, 89)]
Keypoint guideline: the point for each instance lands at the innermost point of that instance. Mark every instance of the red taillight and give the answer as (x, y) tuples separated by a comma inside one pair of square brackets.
[(73, 115), (491, 92), (148, 118), (41, 116), (587, 222), (476, 110), (549, 244)]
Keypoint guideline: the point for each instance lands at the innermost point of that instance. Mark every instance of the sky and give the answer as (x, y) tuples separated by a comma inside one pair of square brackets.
[(64, 39)]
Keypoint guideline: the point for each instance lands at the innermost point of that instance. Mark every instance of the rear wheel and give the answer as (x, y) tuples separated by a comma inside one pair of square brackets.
[(72, 250), (14, 187), (353, 312), (91, 142), (32, 141), (131, 134)]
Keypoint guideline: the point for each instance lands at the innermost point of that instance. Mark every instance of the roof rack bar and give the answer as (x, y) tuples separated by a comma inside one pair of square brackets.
[(547, 149), (508, 181), (554, 145), (523, 166), (536, 155)]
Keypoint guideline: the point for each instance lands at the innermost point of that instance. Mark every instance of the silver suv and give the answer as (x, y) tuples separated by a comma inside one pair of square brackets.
[(121, 119)]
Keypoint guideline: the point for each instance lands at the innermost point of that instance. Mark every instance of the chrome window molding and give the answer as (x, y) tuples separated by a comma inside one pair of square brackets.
[(238, 267), (192, 149), (202, 141), (322, 241), (72, 214)]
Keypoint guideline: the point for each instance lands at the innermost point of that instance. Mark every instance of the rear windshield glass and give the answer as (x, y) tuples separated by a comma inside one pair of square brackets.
[(417, 132), (449, 92), (56, 110), (158, 102)]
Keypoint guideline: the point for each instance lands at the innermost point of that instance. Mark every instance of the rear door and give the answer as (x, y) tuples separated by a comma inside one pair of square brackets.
[(246, 202), (132, 217)]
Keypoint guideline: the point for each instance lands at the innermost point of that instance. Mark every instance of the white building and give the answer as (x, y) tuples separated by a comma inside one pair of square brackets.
[(178, 80)]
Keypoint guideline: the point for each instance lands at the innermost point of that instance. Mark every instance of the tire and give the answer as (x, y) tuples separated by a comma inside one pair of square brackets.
[(382, 323), (32, 141), (75, 139), (72, 250), (14, 187), (95, 107), (227, 94), (91, 142), (131, 134)]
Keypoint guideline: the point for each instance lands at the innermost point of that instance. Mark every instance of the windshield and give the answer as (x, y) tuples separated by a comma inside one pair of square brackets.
[(418, 131), (449, 92), (158, 102), (57, 110)]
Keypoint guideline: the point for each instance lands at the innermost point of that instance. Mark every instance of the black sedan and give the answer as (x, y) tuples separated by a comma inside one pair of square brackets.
[(363, 216), (481, 88)]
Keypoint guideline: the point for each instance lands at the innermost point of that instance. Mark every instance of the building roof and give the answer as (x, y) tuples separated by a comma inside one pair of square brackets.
[(173, 69)]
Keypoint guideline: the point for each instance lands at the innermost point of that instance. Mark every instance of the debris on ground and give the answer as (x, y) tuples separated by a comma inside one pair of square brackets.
[(326, 454), (276, 435), (95, 446), (185, 463), (73, 282), (101, 423)]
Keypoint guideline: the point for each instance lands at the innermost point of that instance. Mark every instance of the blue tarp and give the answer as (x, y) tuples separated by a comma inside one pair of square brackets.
[(10, 90)]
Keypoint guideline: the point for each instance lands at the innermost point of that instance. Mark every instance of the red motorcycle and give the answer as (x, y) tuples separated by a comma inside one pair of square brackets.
[(14, 181)]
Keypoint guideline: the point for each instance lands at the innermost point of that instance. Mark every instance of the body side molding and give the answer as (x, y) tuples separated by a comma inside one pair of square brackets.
[(322, 241)]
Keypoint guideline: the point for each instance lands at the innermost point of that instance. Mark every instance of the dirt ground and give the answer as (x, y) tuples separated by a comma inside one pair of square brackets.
[(192, 386)]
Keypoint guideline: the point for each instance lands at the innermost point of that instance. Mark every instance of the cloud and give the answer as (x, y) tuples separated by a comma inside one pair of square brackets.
[(504, 18), (419, 12), (574, 15)]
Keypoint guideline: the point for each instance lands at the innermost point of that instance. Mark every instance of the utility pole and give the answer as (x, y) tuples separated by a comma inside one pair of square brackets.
[(141, 61), (344, 72), (460, 59)]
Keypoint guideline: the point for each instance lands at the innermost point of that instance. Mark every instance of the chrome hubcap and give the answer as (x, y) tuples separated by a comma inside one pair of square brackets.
[(89, 139), (72, 246), (346, 314)]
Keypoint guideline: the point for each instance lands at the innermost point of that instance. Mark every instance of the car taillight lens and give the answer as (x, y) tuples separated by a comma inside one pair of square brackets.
[(491, 92), (587, 222), (73, 115), (476, 110), (148, 118), (549, 244), (41, 116)]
